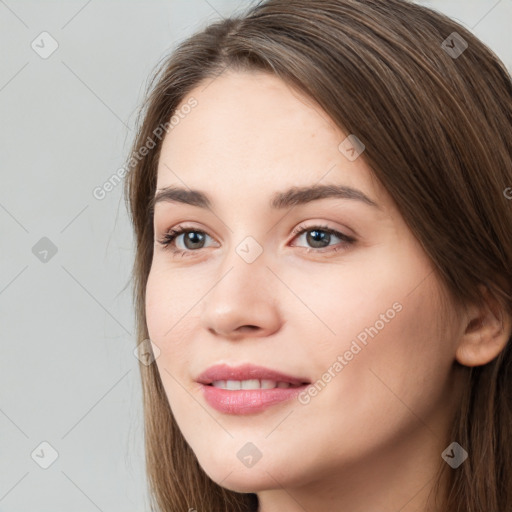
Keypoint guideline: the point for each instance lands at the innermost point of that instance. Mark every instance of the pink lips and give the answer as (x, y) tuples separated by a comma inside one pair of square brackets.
[(246, 372), (247, 401)]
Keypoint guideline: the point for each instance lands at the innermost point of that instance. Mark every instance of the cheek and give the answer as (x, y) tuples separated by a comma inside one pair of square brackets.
[(170, 298), (158, 301), (380, 315), (173, 317), (400, 370), (339, 302)]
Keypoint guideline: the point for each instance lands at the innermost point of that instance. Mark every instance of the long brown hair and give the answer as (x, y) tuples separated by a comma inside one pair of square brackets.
[(437, 126)]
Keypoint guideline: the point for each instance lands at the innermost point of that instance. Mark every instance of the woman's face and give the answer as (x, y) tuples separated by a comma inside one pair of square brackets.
[(349, 306)]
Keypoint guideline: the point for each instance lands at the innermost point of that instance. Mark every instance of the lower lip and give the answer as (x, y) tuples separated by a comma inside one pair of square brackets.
[(247, 401)]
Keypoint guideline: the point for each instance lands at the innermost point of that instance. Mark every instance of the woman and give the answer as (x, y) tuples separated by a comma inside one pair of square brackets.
[(323, 266)]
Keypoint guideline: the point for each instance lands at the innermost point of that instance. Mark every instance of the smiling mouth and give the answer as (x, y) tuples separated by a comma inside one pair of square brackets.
[(235, 385), (249, 396), (248, 377)]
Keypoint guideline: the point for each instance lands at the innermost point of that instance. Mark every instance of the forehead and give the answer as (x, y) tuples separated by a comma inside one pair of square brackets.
[(252, 132)]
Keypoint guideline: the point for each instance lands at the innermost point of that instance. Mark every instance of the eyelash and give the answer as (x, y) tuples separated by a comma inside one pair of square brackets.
[(167, 241)]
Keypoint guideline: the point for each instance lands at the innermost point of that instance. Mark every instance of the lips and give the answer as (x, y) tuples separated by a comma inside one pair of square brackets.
[(246, 372), (248, 389)]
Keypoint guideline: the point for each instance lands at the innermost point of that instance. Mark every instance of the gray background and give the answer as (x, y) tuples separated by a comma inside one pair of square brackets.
[(68, 375)]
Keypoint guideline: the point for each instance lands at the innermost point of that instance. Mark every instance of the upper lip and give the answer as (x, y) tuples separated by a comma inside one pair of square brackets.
[(246, 372)]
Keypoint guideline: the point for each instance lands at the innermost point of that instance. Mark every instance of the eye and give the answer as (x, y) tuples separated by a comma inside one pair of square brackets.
[(321, 236), (192, 238)]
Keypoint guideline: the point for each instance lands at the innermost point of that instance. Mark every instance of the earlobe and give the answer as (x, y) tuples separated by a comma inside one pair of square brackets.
[(488, 328)]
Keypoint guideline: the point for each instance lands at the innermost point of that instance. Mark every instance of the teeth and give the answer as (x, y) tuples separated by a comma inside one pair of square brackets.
[(234, 385), (250, 384), (268, 384)]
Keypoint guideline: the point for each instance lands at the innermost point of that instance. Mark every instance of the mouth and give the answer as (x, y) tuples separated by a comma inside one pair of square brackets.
[(247, 389), (248, 376), (235, 385)]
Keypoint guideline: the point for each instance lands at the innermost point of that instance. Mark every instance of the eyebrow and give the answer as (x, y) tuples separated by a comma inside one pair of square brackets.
[(280, 200)]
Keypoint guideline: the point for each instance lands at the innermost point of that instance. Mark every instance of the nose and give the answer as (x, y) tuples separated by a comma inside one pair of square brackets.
[(243, 301)]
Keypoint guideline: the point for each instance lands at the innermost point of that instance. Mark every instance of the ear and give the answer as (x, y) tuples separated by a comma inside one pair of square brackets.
[(488, 329)]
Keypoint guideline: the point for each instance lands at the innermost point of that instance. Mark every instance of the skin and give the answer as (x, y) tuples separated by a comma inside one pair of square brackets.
[(372, 438)]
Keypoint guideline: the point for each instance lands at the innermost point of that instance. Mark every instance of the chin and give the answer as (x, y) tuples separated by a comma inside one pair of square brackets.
[(238, 478), (245, 481)]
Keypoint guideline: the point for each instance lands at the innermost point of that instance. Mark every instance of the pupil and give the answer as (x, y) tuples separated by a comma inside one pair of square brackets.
[(322, 235), (192, 237)]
